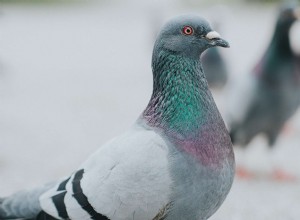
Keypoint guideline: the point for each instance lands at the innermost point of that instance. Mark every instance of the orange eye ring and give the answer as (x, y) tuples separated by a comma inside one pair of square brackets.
[(187, 30)]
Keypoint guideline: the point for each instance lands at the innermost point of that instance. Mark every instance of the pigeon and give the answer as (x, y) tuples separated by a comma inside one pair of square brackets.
[(175, 163), (275, 92)]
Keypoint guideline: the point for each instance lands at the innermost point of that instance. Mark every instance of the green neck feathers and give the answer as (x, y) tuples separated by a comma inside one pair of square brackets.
[(181, 99)]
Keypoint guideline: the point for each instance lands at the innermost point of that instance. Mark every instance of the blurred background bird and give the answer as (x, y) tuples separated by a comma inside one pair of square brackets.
[(274, 94)]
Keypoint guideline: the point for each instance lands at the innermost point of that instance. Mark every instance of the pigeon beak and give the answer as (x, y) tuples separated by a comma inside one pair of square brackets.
[(296, 13), (215, 39)]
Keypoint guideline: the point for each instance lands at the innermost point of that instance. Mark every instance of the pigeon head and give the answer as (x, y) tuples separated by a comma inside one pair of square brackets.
[(181, 97), (288, 15), (188, 35)]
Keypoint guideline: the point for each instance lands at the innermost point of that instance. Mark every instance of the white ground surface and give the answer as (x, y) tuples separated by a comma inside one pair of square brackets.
[(74, 76)]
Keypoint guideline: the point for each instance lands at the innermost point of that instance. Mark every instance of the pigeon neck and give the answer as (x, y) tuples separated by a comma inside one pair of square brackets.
[(181, 99), (281, 42), (278, 52), (182, 109)]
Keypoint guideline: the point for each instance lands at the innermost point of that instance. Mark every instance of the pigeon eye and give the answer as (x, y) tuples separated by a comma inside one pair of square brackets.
[(187, 30)]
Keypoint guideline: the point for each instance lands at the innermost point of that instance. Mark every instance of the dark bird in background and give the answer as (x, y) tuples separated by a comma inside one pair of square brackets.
[(275, 95)]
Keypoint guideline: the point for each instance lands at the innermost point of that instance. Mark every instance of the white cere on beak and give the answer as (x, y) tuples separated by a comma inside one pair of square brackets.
[(212, 35), (296, 13)]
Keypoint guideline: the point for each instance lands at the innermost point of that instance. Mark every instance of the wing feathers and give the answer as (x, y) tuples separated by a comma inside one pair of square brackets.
[(82, 199), (128, 178), (60, 206)]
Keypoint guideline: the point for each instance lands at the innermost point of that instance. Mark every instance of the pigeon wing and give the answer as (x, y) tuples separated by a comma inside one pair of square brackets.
[(126, 178)]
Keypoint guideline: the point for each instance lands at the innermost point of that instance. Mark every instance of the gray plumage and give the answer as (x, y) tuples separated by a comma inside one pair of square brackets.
[(275, 94)]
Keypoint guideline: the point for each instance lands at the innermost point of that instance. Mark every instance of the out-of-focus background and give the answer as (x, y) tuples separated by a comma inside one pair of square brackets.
[(74, 74)]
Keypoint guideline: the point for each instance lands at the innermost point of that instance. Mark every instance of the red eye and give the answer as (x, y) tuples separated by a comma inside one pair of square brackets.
[(187, 30)]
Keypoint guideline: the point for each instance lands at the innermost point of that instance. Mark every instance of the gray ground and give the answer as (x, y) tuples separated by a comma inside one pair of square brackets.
[(74, 76)]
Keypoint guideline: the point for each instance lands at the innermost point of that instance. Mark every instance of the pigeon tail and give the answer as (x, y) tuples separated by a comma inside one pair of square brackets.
[(2, 212), (24, 204)]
